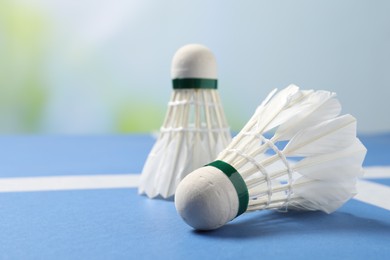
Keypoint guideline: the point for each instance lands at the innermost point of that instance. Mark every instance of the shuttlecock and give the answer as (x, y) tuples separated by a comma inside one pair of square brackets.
[(195, 129), (311, 162)]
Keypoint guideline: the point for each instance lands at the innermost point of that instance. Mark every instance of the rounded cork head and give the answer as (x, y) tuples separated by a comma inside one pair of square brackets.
[(194, 61), (206, 199)]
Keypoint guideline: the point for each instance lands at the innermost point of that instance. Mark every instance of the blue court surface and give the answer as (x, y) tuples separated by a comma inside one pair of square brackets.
[(75, 197)]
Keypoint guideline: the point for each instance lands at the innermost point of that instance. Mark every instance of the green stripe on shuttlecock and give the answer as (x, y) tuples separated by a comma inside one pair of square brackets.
[(237, 181), (194, 83)]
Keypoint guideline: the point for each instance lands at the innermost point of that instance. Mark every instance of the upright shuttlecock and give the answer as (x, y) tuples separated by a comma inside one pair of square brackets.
[(195, 128), (255, 173)]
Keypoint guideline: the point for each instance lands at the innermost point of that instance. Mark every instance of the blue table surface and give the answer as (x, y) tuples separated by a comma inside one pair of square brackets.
[(117, 223)]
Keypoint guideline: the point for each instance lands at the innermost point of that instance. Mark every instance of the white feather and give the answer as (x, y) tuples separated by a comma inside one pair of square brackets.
[(193, 133), (340, 165), (266, 113), (324, 195), (326, 137), (318, 107), (329, 154)]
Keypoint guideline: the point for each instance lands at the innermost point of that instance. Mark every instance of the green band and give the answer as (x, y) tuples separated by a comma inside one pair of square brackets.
[(194, 83), (238, 183)]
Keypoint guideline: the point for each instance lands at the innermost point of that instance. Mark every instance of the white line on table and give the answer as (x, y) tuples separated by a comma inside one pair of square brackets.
[(377, 172), (373, 193), (71, 182)]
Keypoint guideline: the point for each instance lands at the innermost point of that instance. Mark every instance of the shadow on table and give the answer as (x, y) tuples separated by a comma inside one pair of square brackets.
[(259, 224)]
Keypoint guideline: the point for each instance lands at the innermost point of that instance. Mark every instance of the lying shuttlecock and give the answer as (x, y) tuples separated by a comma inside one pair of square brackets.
[(311, 162), (195, 128)]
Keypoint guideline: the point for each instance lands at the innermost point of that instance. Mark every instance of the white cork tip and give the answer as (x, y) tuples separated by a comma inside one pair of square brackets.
[(206, 199), (194, 61)]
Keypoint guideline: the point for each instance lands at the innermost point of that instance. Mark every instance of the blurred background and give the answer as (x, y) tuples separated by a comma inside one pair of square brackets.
[(97, 67)]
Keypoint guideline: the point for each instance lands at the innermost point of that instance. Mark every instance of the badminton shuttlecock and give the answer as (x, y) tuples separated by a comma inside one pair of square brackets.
[(311, 162), (195, 128)]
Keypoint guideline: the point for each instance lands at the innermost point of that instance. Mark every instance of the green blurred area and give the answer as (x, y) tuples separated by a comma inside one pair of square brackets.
[(146, 116), (22, 88), (24, 91)]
